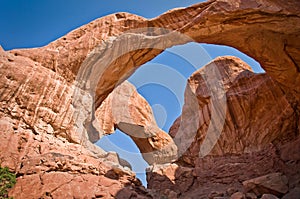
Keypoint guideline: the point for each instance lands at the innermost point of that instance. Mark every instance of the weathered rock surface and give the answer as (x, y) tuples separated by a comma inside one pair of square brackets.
[(252, 113), (50, 167), (266, 31), (220, 174), (39, 144), (293, 194), (274, 183), (47, 108), (128, 111), (238, 195), (268, 196), (246, 147)]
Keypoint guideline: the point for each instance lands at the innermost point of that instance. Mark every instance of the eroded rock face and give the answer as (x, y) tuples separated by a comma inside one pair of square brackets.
[(128, 111), (274, 183), (39, 145), (245, 151), (50, 167), (251, 112), (222, 176)]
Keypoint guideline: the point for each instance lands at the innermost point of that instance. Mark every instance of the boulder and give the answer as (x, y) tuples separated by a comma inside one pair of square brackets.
[(238, 195), (269, 196), (274, 183)]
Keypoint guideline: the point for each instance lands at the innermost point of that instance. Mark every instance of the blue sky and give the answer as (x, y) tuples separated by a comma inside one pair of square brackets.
[(34, 23)]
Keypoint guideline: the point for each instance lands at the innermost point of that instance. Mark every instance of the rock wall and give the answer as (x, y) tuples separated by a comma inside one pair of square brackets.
[(259, 127), (257, 112), (50, 162)]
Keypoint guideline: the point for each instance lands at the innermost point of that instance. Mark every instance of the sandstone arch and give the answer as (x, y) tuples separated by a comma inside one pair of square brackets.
[(267, 31), (36, 90)]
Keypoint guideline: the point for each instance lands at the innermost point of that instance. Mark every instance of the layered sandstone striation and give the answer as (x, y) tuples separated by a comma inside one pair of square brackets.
[(246, 114), (50, 162), (49, 96)]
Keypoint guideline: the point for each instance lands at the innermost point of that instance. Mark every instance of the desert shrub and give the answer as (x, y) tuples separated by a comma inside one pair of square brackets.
[(7, 181)]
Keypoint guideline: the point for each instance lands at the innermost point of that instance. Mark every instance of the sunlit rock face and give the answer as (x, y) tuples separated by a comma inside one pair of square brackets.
[(253, 153), (49, 94), (49, 157), (128, 111), (265, 30), (246, 114)]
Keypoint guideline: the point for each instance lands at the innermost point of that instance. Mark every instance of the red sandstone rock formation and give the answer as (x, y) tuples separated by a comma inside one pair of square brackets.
[(37, 143), (255, 109), (128, 111), (258, 126), (46, 111), (267, 31)]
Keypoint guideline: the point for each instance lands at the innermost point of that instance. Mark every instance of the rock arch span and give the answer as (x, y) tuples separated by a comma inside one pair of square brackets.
[(266, 31), (37, 90)]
